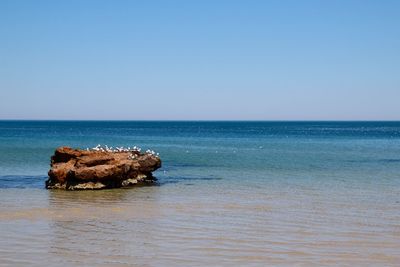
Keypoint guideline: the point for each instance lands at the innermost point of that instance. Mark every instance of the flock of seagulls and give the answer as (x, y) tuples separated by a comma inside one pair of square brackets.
[(106, 148), (152, 152)]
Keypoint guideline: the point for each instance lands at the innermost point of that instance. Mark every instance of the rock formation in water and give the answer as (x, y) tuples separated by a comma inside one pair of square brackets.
[(76, 169)]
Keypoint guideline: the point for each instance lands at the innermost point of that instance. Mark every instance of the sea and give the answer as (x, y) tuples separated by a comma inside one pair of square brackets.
[(229, 193)]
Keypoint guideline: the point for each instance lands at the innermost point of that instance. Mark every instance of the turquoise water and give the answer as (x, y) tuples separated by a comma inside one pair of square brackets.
[(229, 193)]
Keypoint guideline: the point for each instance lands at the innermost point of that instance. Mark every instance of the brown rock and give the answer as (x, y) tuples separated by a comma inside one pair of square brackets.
[(59, 171), (64, 154), (75, 169)]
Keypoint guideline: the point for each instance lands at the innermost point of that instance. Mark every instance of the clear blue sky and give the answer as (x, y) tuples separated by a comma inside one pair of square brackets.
[(258, 60)]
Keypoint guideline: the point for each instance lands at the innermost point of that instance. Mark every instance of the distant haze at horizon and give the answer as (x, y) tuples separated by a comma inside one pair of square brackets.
[(204, 60)]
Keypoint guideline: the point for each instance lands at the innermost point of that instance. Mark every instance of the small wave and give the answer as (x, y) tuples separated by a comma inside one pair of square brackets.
[(185, 179), (375, 161), (390, 160), (22, 181), (189, 165)]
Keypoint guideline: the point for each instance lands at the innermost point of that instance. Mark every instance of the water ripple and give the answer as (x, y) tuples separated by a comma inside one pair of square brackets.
[(22, 181)]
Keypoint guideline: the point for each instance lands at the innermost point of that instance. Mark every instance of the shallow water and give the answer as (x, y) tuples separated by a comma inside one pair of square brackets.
[(229, 194)]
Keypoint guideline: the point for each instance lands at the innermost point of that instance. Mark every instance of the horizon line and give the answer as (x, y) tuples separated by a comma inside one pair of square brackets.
[(201, 120)]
